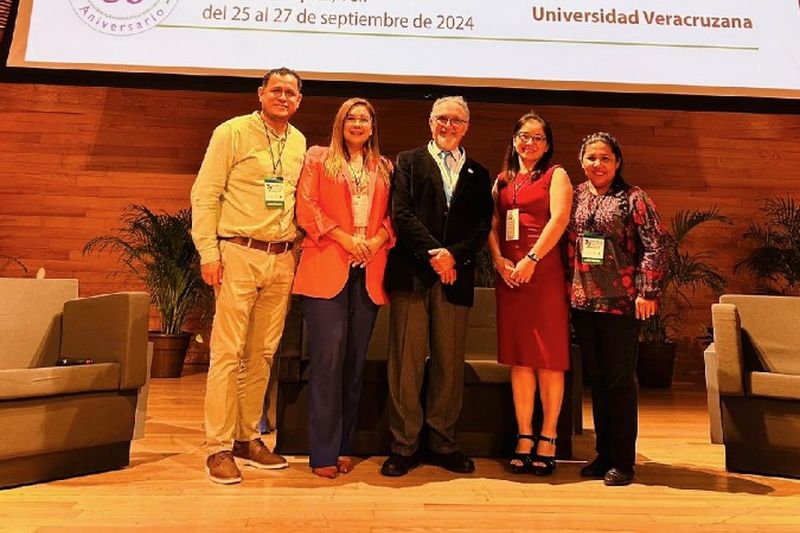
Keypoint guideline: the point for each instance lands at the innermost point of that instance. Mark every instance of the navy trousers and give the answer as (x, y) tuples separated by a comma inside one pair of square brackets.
[(339, 330)]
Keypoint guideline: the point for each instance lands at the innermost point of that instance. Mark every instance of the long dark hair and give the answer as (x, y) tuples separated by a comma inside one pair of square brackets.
[(619, 183), (511, 161)]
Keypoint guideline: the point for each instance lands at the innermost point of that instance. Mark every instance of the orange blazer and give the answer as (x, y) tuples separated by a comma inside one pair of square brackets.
[(323, 204)]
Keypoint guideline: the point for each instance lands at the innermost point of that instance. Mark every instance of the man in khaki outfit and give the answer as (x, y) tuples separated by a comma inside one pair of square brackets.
[(243, 227)]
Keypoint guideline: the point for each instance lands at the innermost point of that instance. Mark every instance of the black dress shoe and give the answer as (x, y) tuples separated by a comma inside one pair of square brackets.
[(454, 461), (618, 478), (397, 465), (596, 468)]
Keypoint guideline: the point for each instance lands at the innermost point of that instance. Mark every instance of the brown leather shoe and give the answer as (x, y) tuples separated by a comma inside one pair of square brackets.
[(329, 472), (344, 465), (221, 468), (256, 454)]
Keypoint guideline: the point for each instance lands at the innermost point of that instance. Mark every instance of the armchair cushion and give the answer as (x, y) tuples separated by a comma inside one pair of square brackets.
[(54, 380), (30, 320), (773, 385), (66, 422)]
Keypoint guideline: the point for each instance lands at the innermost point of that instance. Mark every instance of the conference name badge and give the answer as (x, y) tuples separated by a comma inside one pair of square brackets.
[(360, 210), (512, 224), (592, 249), (274, 192)]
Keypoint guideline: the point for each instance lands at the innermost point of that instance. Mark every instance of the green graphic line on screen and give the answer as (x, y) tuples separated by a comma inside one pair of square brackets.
[(467, 38)]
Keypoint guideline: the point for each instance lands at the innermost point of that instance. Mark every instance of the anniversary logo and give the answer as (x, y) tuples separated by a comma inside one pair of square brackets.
[(123, 17)]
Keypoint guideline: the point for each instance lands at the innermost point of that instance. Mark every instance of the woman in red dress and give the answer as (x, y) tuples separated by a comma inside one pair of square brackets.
[(532, 208)]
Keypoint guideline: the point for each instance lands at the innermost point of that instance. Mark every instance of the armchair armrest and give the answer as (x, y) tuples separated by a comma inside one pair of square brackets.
[(109, 328), (728, 344)]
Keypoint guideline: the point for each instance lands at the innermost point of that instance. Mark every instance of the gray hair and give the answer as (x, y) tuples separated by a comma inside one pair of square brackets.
[(458, 100)]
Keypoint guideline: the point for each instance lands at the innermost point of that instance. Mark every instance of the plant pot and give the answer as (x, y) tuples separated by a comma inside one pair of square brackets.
[(169, 352), (655, 365)]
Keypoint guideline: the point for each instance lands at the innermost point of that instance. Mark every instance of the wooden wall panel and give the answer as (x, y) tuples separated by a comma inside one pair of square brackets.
[(71, 158)]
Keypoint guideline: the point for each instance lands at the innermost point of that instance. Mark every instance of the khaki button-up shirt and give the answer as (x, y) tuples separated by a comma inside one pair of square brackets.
[(228, 194)]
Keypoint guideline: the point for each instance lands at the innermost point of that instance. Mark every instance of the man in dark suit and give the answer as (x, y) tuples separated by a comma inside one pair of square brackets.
[(442, 211)]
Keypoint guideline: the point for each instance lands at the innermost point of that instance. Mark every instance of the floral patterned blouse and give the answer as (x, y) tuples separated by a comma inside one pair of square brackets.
[(634, 260)]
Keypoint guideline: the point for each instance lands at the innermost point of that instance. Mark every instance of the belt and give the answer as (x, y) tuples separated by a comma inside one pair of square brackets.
[(277, 247)]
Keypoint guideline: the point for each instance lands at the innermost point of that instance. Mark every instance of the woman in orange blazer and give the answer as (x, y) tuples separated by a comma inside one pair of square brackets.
[(343, 206)]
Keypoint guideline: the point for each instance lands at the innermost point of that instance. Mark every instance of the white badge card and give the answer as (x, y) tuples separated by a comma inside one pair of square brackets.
[(592, 249), (512, 224), (360, 210), (274, 192)]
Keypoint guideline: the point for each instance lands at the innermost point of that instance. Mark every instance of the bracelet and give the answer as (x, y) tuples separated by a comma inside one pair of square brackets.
[(532, 256)]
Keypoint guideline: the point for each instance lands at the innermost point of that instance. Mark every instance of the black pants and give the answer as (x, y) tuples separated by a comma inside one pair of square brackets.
[(609, 347)]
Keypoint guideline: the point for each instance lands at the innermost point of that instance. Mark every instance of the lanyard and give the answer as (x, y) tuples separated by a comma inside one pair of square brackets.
[(518, 183), (357, 176), (276, 162)]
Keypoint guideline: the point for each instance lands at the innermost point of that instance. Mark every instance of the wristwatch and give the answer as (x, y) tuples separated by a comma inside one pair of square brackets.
[(532, 256)]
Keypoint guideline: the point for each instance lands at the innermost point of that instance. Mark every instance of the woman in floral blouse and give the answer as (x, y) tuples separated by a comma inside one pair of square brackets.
[(616, 261)]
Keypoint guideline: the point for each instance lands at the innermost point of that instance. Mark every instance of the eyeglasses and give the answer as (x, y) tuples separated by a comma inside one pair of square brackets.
[(446, 121), (526, 138), (352, 119)]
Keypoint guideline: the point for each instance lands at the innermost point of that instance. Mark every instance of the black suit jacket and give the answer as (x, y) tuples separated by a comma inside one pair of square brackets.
[(423, 221)]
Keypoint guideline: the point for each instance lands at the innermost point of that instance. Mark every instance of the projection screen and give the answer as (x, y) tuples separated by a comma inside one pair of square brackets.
[(713, 47)]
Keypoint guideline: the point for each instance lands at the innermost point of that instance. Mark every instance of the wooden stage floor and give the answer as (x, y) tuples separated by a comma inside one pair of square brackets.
[(681, 486)]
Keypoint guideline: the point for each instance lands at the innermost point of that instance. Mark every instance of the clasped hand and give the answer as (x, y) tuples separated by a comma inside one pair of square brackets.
[(444, 264), (361, 250), (514, 274)]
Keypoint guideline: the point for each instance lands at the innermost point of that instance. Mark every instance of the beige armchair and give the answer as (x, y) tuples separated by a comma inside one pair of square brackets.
[(61, 421), (757, 348)]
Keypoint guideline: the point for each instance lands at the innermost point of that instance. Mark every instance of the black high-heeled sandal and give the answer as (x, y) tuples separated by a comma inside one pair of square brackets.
[(525, 459), (548, 462)]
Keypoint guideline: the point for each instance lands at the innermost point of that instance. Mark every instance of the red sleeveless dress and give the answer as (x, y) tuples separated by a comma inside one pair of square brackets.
[(532, 320)]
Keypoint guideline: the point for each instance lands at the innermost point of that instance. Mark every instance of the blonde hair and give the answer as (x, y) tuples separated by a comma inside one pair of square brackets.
[(338, 154)]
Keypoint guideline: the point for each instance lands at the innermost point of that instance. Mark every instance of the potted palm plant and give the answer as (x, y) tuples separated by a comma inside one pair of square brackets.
[(775, 261), (158, 249), (687, 272)]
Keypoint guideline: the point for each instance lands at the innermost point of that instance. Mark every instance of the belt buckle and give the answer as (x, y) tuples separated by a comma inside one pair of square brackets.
[(271, 251)]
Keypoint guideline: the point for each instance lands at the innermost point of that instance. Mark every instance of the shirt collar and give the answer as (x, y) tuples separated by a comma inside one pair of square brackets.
[(436, 152)]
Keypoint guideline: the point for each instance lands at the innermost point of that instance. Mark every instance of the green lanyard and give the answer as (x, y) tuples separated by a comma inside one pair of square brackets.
[(282, 141)]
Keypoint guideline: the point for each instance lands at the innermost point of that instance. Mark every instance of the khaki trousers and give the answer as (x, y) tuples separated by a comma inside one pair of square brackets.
[(251, 307)]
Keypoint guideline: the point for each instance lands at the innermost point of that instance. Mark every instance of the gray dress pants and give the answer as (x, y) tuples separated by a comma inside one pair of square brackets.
[(420, 321)]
